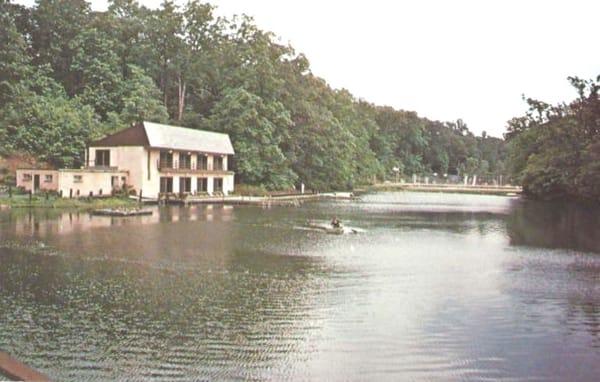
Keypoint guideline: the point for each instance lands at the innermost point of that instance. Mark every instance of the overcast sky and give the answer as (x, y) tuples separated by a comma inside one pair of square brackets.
[(445, 59)]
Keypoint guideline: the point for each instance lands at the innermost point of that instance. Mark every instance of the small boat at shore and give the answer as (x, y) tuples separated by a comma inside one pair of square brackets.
[(121, 212)]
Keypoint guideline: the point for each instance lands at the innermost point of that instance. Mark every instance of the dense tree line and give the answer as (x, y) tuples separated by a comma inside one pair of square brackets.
[(554, 150), (69, 74)]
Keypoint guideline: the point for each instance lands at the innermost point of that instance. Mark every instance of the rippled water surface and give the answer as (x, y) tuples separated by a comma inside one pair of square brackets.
[(438, 287)]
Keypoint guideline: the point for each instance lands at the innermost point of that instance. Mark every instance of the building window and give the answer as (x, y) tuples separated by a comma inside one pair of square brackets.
[(202, 162), (48, 178), (202, 185), (185, 184), (114, 181), (218, 185), (103, 158), (26, 177), (166, 159), (77, 178), (185, 161), (218, 163), (166, 184)]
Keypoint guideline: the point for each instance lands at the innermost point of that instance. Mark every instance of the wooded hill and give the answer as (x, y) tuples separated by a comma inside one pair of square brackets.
[(69, 75)]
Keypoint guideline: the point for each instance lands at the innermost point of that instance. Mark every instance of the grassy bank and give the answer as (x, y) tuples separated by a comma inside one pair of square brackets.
[(23, 201)]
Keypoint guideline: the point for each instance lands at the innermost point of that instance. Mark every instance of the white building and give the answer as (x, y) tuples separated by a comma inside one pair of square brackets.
[(150, 158)]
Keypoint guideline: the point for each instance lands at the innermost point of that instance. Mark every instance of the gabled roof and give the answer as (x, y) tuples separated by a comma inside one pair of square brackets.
[(133, 136), (150, 134), (181, 138)]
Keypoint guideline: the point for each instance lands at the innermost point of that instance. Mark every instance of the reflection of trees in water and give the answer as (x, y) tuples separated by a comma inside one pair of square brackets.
[(454, 221), (130, 319), (583, 299), (555, 225), (573, 226), (589, 309)]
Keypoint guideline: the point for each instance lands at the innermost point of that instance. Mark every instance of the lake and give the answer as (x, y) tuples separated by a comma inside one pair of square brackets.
[(437, 287)]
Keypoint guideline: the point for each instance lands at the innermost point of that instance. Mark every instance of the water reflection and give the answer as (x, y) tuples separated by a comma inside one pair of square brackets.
[(47, 222), (555, 225), (438, 287), (103, 320)]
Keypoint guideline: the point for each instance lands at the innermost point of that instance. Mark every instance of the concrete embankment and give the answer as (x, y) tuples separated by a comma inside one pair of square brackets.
[(253, 200), (278, 200), (451, 188)]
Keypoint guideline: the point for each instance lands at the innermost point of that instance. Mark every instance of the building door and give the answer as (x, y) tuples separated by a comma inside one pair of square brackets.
[(217, 163), (202, 162), (185, 184), (218, 185), (202, 185), (166, 184), (185, 161), (36, 182), (166, 160)]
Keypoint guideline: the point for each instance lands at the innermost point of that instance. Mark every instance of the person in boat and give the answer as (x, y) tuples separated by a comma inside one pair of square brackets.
[(335, 223)]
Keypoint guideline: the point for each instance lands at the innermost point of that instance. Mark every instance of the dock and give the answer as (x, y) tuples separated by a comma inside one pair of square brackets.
[(18, 371), (275, 199)]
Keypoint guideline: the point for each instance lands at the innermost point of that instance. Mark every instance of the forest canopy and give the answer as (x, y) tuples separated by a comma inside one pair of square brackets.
[(69, 75), (554, 150)]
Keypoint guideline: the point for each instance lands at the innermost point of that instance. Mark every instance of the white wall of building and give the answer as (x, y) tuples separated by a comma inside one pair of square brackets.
[(151, 184), (142, 165), (130, 158), (48, 179), (83, 181), (151, 179), (228, 182)]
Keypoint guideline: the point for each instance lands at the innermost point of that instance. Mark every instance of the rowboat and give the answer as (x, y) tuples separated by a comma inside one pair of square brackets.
[(328, 228)]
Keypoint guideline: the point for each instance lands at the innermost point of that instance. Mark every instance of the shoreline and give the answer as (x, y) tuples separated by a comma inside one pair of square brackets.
[(89, 204), (23, 201), (448, 188), (86, 204), (265, 200)]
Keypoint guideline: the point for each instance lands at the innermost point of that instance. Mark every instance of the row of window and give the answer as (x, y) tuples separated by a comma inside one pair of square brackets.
[(185, 161), (102, 159), (185, 184), (47, 178), (114, 180), (76, 179)]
